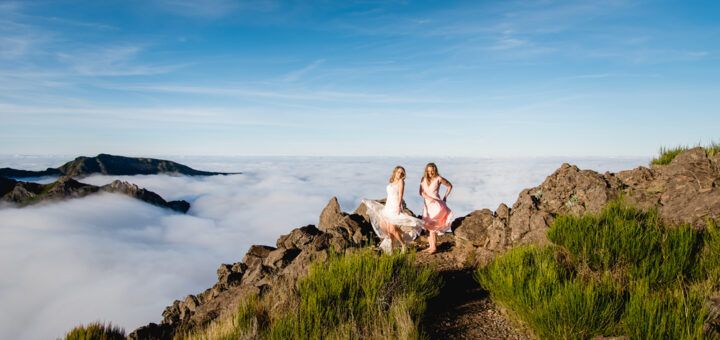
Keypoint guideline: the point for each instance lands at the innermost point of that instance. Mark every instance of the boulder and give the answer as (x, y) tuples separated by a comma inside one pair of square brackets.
[(256, 255), (299, 237), (473, 227), (279, 258), (331, 215)]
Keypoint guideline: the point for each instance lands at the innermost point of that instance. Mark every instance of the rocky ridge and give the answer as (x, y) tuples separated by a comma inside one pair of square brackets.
[(112, 165), (26, 193), (685, 191)]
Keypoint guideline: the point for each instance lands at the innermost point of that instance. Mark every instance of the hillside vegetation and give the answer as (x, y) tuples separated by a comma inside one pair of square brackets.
[(618, 272), (355, 295), (667, 154)]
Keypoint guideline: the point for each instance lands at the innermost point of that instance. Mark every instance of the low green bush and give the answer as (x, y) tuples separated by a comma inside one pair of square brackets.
[(96, 331), (667, 154), (554, 302), (617, 272), (623, 237), (675, 313), (361, 295)]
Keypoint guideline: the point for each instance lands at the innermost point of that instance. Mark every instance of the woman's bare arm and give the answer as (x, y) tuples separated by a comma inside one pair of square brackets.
[(448, 185)]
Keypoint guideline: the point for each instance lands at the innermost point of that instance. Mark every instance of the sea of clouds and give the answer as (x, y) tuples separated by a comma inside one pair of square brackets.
[(112, 258)]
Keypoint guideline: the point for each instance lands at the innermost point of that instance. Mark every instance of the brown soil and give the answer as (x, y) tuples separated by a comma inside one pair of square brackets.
[(462, 310)]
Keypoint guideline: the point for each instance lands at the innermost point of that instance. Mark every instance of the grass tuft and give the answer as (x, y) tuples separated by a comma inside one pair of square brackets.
[(555, 302), (667, 154), (345, 296), (96, 331), (624, 274)]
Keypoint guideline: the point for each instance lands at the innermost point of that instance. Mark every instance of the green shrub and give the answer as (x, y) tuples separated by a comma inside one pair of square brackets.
[(548, 297), (624, 273), (623, 237), (360, 295), (666, 155), (96, 331), (674, 314)]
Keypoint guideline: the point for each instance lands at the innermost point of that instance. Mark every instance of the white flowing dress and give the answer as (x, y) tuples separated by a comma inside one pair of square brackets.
[(410, 227)]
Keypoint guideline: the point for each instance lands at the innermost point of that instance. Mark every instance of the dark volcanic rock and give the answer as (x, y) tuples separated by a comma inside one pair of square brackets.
[(331, 215), (143, 194), (473, 227), (9, 172), (119, 165), (112, 165), (24, 193)]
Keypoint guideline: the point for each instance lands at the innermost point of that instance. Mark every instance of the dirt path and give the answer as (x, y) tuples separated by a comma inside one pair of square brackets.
[(462, 310)]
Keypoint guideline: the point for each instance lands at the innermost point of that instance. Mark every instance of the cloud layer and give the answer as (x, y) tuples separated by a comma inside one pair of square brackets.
[(112, 258)]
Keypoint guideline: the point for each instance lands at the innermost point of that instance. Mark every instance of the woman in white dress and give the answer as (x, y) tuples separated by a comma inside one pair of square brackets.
[(389, 221)]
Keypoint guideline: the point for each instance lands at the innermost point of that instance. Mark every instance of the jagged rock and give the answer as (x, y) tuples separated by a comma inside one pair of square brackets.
[(331, 215), (152, 331), (230, 275), (298, 238), (65, 187), (256, 255), (571, 190), (340, 238), (503, 212), (181, 206), (143, 194), (256, 273), (691, 192), (473, 227), (6, 185), (279, 258), (20, 194)]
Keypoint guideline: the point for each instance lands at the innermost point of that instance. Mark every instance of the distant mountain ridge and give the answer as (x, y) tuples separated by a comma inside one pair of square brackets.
[(26, 193), (112, 165)]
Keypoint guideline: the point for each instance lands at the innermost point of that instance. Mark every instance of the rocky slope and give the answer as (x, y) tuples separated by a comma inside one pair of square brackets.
[(25, 193), (111, 165), (685, 191)]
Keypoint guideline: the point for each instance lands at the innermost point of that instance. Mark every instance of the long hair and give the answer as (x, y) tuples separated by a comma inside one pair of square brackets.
[(426, 177), (392, 177)]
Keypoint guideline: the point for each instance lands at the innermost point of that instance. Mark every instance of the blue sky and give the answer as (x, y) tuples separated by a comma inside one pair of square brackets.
[(371, 78)]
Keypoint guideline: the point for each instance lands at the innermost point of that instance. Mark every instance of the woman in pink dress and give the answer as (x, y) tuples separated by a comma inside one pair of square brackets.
[(389, 221), (437, 217)]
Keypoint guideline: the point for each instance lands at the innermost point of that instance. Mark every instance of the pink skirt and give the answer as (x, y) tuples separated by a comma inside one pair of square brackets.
[(437, 216)]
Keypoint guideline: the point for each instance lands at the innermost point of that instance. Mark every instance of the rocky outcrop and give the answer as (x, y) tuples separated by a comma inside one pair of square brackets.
[(684, 191), (143, 194), (111, 165), (15, 173), (261, 268), (25, 193)]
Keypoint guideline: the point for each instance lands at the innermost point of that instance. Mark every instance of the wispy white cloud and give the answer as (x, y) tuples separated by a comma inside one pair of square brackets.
[(215, 8), (290, 94), (14, 47), (112, 61), (506, 43), (295, 75)]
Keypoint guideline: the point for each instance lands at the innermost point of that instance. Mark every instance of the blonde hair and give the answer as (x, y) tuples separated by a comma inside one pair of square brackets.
[(392, 177), (426, 177)]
